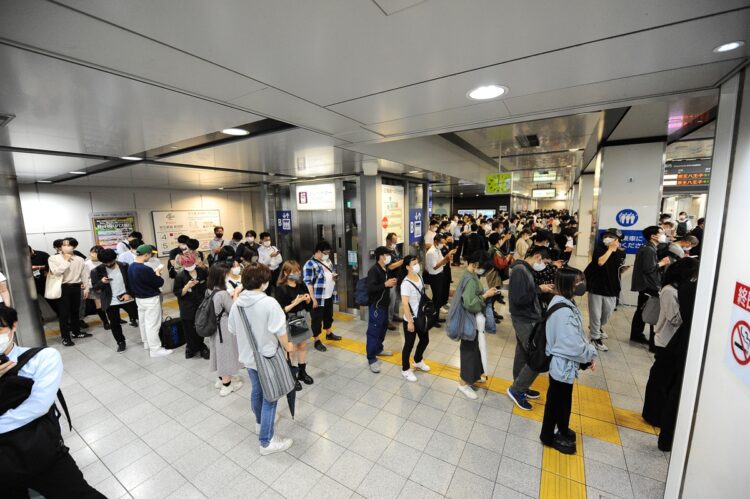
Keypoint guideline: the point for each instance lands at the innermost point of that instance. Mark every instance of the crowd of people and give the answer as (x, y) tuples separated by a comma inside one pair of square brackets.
[(243, 305)]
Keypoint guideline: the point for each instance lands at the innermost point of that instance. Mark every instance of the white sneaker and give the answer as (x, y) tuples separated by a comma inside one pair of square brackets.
[(145, 345), (162, 352), (233, 387), (219, 384), (409, 375), (604, 335), (277, 444), (466, 390), (375, 367), (422, 366)]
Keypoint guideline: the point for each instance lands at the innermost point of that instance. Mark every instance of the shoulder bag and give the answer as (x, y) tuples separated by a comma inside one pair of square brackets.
[(275, 376), (53, 286)]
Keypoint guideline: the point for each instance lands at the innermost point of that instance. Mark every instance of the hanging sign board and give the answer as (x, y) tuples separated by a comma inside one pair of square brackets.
[(692, 175), (415, 225), (283, 221), (112, 227), (738, 338), (198, 224), (316, 196), (392, 206), (499, 183)]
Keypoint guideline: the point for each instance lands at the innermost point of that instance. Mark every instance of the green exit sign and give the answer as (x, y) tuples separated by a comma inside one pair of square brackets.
[(348, 204)]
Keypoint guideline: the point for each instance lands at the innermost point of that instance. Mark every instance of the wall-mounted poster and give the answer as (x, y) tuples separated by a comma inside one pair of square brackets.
[(392, 204), (112, 227), (316, 196), (198, 224)]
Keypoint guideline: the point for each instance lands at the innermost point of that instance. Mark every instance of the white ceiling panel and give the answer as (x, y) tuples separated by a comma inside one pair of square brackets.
[(33, 167), (646, 120), (63, 31), (668, 48), (390, 7), (67, 107), (677, 80), (315, 40)]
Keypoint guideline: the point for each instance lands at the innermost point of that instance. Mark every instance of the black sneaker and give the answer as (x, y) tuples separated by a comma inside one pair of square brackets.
[(305, 378), (532, 394), (123, 321), (564, 445), (83, 325), (189, 354), (134, 323), (121, 347), (68, 343), (82, 335), (320, 347), (107, 326), (571, 435), (206, 353), (334, 337)]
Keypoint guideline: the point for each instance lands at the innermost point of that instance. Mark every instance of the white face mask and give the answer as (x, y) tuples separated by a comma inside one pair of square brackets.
[(183, 247), (683, 218), (439, 246), (416, 268), (663, 238), (607, 241), (539, 266), (236, 270), (480, 271), (267, 244), (325, 257), (190, 269), (264, 286), (4, 341), (387, 259)]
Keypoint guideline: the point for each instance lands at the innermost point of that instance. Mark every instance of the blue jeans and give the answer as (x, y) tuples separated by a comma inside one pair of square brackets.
[(489, 313), (265, 411), (376, 327)]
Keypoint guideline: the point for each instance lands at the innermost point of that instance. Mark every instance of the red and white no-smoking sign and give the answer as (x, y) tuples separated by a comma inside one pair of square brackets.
[(738, 357)]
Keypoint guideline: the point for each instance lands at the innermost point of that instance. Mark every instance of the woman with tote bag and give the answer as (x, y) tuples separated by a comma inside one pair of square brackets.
[(260, 326)]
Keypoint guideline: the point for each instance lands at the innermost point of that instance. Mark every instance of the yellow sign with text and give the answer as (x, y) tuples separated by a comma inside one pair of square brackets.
[(499, 183)]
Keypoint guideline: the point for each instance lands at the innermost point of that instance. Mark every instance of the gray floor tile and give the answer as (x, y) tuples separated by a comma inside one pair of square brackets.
[(381, 483), (519, 476), (400, 406), (638, 440), (242, 486), (387, 424), (161, 484), (215, 475), (245, 452), (646, 464), (433, 473), (414, 435), (121, 458), (488, 437), (608, 478), (480, 461), (370, 444), (297, 481), (111, 488), (445, 447), (361, 413), (268, 468), (413, 490), (426, 416), (141, 470), (524, 450), (525, 427), (376, 397), (344, 432), (465, 408), (604, 452), (456, 426), (350, 469), (187, 491), (329, 489), (400, 458), (339, 404), (493, 417), (592, 493), (466, 484), (646, 488), (436, 399), (194, 461), (503, 492), (96, 473)]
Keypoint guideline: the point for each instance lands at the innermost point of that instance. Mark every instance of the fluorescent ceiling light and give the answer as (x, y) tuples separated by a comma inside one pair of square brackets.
[(78, 173), (43, 181), (729, 46), (221, 188), (415, 171), (487, 92), (131, 158), (573, 150), (235, 131)]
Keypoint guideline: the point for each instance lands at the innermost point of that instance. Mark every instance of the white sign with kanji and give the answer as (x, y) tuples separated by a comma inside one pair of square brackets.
[(738, 337)]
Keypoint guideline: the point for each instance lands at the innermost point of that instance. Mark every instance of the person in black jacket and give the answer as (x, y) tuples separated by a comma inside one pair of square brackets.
[(110, 279), (603, 284), (190, 289), (646, 279), (698, 233), (247, 251), (379, 296), (473, 242)]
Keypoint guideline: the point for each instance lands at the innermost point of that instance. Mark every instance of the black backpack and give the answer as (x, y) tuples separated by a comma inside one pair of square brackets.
[(426, 313), (536, 348), (32, 448), (207, 321), (361, 296), (682, 229)]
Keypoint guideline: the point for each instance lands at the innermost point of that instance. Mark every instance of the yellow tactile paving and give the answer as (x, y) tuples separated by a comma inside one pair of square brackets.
[(566, 466), (557, 487), (633, 420), (602, 430), (595, 403), (339, 316)]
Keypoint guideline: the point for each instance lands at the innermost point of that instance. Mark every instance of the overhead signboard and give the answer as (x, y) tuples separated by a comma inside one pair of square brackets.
[(543, 193), (316, 196), (499, 183), (169, 225), (691, 175), (545, 176)]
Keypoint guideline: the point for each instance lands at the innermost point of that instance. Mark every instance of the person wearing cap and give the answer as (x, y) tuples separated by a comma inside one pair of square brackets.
[(603, 284), (190, 289), (145, 283)]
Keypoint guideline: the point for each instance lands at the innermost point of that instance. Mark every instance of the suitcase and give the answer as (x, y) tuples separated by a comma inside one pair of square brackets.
[(171, 333)]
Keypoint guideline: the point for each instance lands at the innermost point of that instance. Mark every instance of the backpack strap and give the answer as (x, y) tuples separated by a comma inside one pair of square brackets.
[(65, 408), (23, 359), (554, 308)]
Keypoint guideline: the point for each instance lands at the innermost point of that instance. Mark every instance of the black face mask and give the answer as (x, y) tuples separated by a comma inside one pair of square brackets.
[(219, 235), (580, 289)]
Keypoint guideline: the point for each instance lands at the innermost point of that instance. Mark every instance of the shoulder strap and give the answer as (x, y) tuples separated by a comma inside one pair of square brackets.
[(23, 359), (554, 308)]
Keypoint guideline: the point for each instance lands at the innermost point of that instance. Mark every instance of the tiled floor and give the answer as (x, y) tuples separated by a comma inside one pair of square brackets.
[(157, 428)]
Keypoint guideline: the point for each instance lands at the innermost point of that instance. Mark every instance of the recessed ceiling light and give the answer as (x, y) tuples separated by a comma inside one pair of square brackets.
[(235, 131), (487, 92), (729, 46), (477, 195), (221, 188), (461, 193), (271, 174), (43, 181), (131, 158), (78, 173)]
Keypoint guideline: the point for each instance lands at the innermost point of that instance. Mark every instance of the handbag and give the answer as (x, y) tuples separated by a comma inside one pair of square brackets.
[(53, 286), (651, 310), (461, 324), (297, 324), (275, 376)]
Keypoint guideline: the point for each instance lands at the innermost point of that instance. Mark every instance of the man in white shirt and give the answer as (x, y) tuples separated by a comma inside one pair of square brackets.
[(429, 237), (270, 256), (124, 245), (31, 424), (435, 274), (129, 256)]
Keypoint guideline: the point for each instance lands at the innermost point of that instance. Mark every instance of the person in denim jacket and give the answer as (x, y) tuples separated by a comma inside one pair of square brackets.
[(569, 350)]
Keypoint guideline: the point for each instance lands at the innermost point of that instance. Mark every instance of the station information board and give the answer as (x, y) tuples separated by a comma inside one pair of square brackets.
[(692, 175)]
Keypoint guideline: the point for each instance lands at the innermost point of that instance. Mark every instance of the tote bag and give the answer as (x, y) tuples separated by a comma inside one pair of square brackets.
[(275, 376), (651, 309), (461, 324), (53, 286)]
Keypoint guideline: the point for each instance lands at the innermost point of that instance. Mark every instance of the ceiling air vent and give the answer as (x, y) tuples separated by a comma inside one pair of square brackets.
[(5, 119), (527, 140)]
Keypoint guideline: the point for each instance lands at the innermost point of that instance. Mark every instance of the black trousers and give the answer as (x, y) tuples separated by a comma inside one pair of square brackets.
[(409, 338), (660, 380), (636, 327), (113, 314), (556, 410), (67, 310), (62, 480), (194, 342), (322, 317), (439, 285)]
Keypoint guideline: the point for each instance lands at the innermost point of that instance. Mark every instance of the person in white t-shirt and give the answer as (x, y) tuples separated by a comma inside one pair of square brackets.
[(412, 289), (430, 235), (129, 256), (4, 293), (270, 256)]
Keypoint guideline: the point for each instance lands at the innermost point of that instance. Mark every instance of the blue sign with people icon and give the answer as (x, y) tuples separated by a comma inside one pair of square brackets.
[(627, 217)]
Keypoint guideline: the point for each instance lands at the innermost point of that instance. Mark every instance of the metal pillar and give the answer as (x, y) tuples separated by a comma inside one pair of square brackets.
[(14, 254)]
